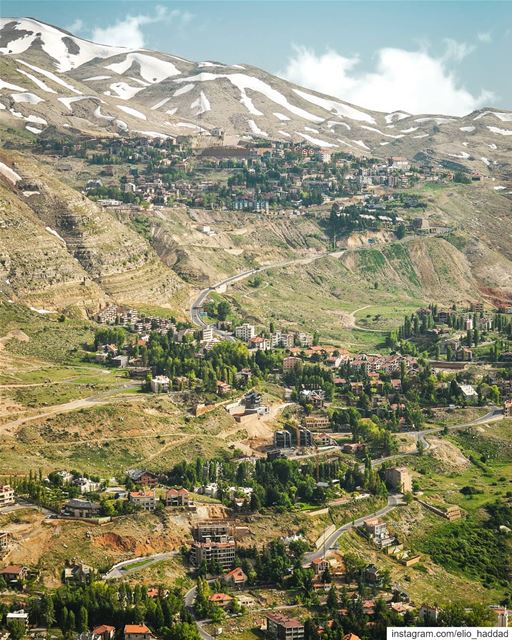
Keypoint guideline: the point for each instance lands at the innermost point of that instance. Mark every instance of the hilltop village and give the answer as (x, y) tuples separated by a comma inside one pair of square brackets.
[(272, 178)]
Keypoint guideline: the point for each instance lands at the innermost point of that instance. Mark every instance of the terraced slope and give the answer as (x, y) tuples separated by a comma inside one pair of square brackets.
[(79, 246)]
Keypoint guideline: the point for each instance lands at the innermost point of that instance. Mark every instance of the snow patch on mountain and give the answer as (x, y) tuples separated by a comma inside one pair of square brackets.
[(37, 81), (316, 141), (338, 108), (160, 104), (281, 116), (436, 119), (386, 135), (243, 82), (36, 120), (467, 129), (182, 90), (31, 98), (97, 78), (8, 85), (501, 132), (504, 117), (154, 134), (200, 105), (98, 114), (9, 173), (67, 102), (335, 123), (51, 76), (54, 233), (151, 69), (249, 104), (124, 90), (463, 155), (132, 112), (255, 129), (68, 51)]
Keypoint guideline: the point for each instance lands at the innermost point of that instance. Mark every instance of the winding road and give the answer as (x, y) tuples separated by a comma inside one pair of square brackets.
[(126, 567), (197, 304), (395, 500)]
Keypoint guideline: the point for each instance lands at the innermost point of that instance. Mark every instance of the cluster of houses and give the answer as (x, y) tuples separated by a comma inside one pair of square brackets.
[(133, 320), (176, 173)]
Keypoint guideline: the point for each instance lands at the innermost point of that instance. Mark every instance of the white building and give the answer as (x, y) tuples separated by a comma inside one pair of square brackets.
[(245, 332), (144, 499), (160, 384), (208, 334), (6, 495), (20, 616), (86, 485), (467, 390)]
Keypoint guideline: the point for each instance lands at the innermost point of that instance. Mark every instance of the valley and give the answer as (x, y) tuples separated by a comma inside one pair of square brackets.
[(255, 353)]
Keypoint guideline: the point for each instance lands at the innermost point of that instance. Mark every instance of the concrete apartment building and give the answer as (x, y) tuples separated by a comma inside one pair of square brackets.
[(6, 495), (245, 332), (213, 544), (293, 437), (281, 627)]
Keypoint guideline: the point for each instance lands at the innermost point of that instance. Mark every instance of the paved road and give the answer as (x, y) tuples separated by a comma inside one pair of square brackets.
[(393, 501), (494, 414), (189, 598), (126, 567), (198, 303), (22, 504)]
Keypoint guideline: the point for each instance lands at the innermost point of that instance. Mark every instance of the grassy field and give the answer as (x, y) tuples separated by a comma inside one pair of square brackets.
[(326, 296), (130, 432)]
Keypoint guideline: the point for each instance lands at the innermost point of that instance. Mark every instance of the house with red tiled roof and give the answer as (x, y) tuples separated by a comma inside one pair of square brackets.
[(103, 632), (178, 498), (236, 577), (221, 600), (137, 632)]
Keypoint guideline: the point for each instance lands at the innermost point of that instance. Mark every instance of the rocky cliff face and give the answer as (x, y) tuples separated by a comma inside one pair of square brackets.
[(59, 248)]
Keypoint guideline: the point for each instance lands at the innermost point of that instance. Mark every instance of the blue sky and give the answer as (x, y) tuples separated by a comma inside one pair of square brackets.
[(439, 56)]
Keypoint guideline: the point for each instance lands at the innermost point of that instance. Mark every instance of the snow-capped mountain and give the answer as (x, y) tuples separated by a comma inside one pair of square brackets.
[(50, 77)]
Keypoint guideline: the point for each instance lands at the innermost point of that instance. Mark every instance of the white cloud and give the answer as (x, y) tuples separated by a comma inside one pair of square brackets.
[(129, 32), (76, 26), (484, 37), (456, 51), (413, 81)]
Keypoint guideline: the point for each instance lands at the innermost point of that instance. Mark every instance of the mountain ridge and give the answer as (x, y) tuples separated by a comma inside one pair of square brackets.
[(127, 91)]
